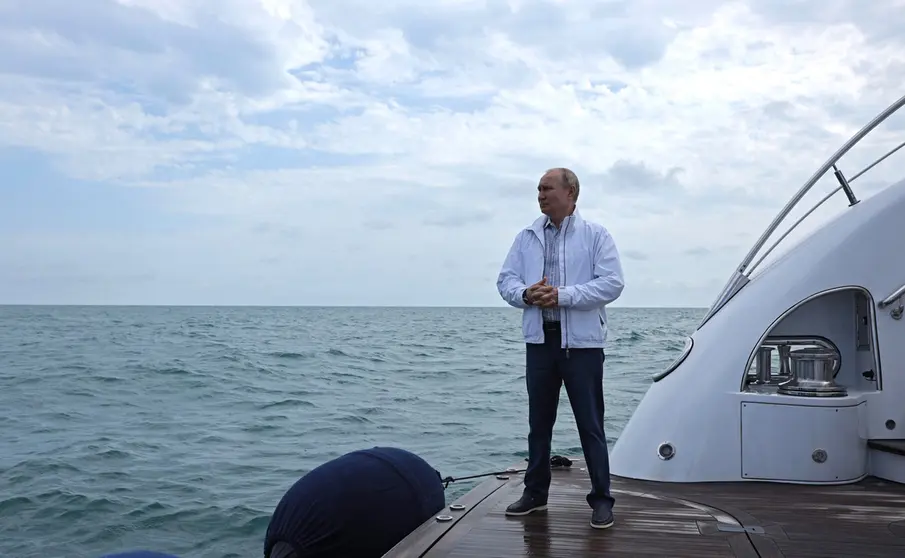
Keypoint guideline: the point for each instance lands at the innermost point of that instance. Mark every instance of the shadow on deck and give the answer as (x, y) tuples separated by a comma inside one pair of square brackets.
[(701, 520)]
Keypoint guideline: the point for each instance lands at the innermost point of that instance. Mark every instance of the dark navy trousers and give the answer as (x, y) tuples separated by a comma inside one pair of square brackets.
[(548, 367)]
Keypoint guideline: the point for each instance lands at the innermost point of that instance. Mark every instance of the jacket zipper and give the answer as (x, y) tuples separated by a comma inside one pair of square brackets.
[(565, 311)]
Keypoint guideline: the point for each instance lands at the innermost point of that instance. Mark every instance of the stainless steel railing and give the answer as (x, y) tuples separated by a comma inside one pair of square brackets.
[(896, 296), (739, 277)]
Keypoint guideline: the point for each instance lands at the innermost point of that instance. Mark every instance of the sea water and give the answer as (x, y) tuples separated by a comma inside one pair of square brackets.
[(178, 429)]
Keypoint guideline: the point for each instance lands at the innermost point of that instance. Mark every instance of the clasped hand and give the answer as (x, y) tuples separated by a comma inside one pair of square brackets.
[(543, 295)]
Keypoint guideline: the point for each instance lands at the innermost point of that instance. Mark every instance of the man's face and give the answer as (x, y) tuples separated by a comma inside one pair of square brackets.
[(553, 195)]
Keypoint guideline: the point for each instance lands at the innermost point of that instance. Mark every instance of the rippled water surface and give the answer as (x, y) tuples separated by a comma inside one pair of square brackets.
[(179, 429)]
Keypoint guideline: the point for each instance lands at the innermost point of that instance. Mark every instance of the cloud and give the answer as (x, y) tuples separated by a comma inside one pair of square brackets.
[(359, 152)]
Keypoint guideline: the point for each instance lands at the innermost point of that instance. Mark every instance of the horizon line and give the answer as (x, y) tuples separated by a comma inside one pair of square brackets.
[(136, 305)]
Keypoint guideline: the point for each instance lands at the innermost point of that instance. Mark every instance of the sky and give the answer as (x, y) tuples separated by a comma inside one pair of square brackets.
[(354, 152)]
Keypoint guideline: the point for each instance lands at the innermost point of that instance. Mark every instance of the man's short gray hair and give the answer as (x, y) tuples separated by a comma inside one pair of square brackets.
[(569, 179)]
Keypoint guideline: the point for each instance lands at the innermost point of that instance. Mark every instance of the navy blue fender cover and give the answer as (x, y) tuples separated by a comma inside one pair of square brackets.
[(358, 505)]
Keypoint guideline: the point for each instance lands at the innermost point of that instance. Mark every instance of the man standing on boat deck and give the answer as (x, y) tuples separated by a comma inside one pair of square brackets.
[(563, 271)]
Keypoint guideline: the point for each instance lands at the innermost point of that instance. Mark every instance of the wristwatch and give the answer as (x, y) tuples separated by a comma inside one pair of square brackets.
[(525, 297)]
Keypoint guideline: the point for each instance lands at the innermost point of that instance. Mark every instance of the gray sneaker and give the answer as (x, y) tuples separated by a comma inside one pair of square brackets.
[(525, 505), (602, 518)]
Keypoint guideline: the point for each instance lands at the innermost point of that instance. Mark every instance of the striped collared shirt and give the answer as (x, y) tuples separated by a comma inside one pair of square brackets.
[(552, 242)]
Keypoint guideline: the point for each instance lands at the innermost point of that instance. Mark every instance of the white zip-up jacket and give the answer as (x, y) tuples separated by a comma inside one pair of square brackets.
[(590, 275)]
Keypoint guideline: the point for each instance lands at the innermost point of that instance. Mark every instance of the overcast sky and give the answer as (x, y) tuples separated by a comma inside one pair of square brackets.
[(386, 153)]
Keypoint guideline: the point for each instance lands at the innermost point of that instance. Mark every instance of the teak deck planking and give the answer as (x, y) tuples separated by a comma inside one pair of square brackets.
[(700, 520)]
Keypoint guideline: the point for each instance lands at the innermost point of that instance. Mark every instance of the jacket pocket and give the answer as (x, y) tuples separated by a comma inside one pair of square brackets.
[(585, 326)]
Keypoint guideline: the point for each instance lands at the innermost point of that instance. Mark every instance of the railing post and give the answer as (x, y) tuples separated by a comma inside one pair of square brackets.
[(896, 296), (846, 187)]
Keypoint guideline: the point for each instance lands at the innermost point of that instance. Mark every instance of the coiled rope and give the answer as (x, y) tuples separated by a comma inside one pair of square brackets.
[(555, 461)]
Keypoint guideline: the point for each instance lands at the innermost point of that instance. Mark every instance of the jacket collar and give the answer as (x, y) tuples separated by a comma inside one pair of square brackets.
[(540, 222)]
